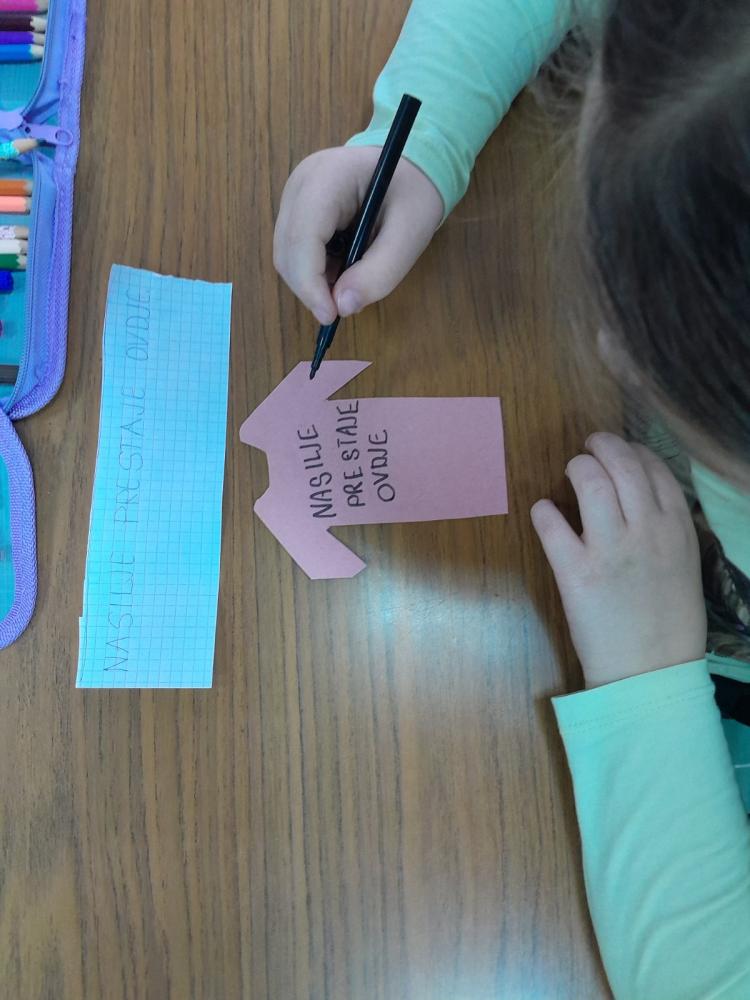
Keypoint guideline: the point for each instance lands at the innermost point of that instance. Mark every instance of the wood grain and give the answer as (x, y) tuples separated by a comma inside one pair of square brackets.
[(373, 802)]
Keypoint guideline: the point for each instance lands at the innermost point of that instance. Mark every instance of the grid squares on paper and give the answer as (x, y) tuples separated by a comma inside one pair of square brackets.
[(152, 569)]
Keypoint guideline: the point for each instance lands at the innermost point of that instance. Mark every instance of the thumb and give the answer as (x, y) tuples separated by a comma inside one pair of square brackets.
[(394, 251)]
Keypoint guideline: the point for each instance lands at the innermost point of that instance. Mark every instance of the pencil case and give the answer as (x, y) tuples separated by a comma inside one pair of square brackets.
[(39, 100)]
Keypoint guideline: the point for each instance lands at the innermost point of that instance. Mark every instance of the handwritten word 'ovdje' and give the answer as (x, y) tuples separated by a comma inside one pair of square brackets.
[(321, 494), (137, 323), (378, 454)]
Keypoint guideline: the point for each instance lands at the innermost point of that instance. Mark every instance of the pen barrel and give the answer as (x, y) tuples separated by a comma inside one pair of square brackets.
[(325, 338), (381, 178)]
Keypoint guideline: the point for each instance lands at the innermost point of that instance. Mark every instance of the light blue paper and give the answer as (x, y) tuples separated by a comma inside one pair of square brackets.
[(152, 569)]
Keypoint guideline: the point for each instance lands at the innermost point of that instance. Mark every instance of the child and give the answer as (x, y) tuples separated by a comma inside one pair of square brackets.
[(663, 164)]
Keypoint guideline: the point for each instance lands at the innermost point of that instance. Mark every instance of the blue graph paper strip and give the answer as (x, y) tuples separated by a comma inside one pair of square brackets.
[(152, 569)]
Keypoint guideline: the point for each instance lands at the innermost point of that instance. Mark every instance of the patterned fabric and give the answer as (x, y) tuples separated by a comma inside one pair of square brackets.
[(727, 593)]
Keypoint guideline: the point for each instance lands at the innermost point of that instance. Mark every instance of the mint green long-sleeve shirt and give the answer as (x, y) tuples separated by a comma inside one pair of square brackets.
[(466, 60), (662, 784)]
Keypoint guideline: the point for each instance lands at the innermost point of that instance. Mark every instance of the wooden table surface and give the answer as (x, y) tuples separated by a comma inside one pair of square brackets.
[(373, 801)]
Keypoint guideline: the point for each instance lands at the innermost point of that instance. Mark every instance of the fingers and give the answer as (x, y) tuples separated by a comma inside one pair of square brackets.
[(311, 211), (322, 196), (624, 467), (601, 514), (667, 490), (617, 483), (306, 276), (560, 543), (404, 234)]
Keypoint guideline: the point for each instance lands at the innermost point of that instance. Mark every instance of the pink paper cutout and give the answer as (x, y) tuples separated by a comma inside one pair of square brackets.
[(420, 459)]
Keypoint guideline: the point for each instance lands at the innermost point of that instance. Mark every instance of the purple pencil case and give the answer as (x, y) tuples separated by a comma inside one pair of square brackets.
[(38, 100)]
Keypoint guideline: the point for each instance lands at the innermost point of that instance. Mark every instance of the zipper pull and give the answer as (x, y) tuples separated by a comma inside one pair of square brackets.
[(51, 134), (13, 121)]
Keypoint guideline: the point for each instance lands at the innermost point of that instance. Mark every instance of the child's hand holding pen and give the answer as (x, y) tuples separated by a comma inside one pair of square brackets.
[(321, 197)]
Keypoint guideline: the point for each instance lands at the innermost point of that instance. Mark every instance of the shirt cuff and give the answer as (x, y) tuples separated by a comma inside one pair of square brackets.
[(428, 152), (611, 705)]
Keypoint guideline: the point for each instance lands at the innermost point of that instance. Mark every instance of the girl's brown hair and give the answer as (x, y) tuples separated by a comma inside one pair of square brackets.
[(665, 170)]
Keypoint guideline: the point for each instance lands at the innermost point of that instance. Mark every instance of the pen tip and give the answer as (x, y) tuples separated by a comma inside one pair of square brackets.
[(320, 349)]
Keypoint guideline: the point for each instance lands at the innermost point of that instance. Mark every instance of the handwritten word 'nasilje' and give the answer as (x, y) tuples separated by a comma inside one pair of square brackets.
[(355, 461)]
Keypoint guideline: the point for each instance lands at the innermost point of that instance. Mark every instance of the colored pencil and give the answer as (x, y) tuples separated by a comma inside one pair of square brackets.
[(21, 53), (13, 149), (8, 374), (24, 145), (20, 38), (11, 204), (14, 232), (14, 246), (22, 22), (24, 6), (13, 261), (6, 281), (16, 185)]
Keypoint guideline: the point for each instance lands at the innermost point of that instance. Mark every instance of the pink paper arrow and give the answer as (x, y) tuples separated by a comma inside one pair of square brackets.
[(369, 461)]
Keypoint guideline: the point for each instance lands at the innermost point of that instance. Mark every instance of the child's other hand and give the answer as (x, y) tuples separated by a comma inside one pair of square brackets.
[(322, 195), (631, 584)]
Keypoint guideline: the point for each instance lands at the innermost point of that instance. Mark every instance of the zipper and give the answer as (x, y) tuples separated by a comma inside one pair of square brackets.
[(57, 93), (60, 176), (54, 136), (22, 532), (38, 206), (30, 275), (51, 17), (11, 119)]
